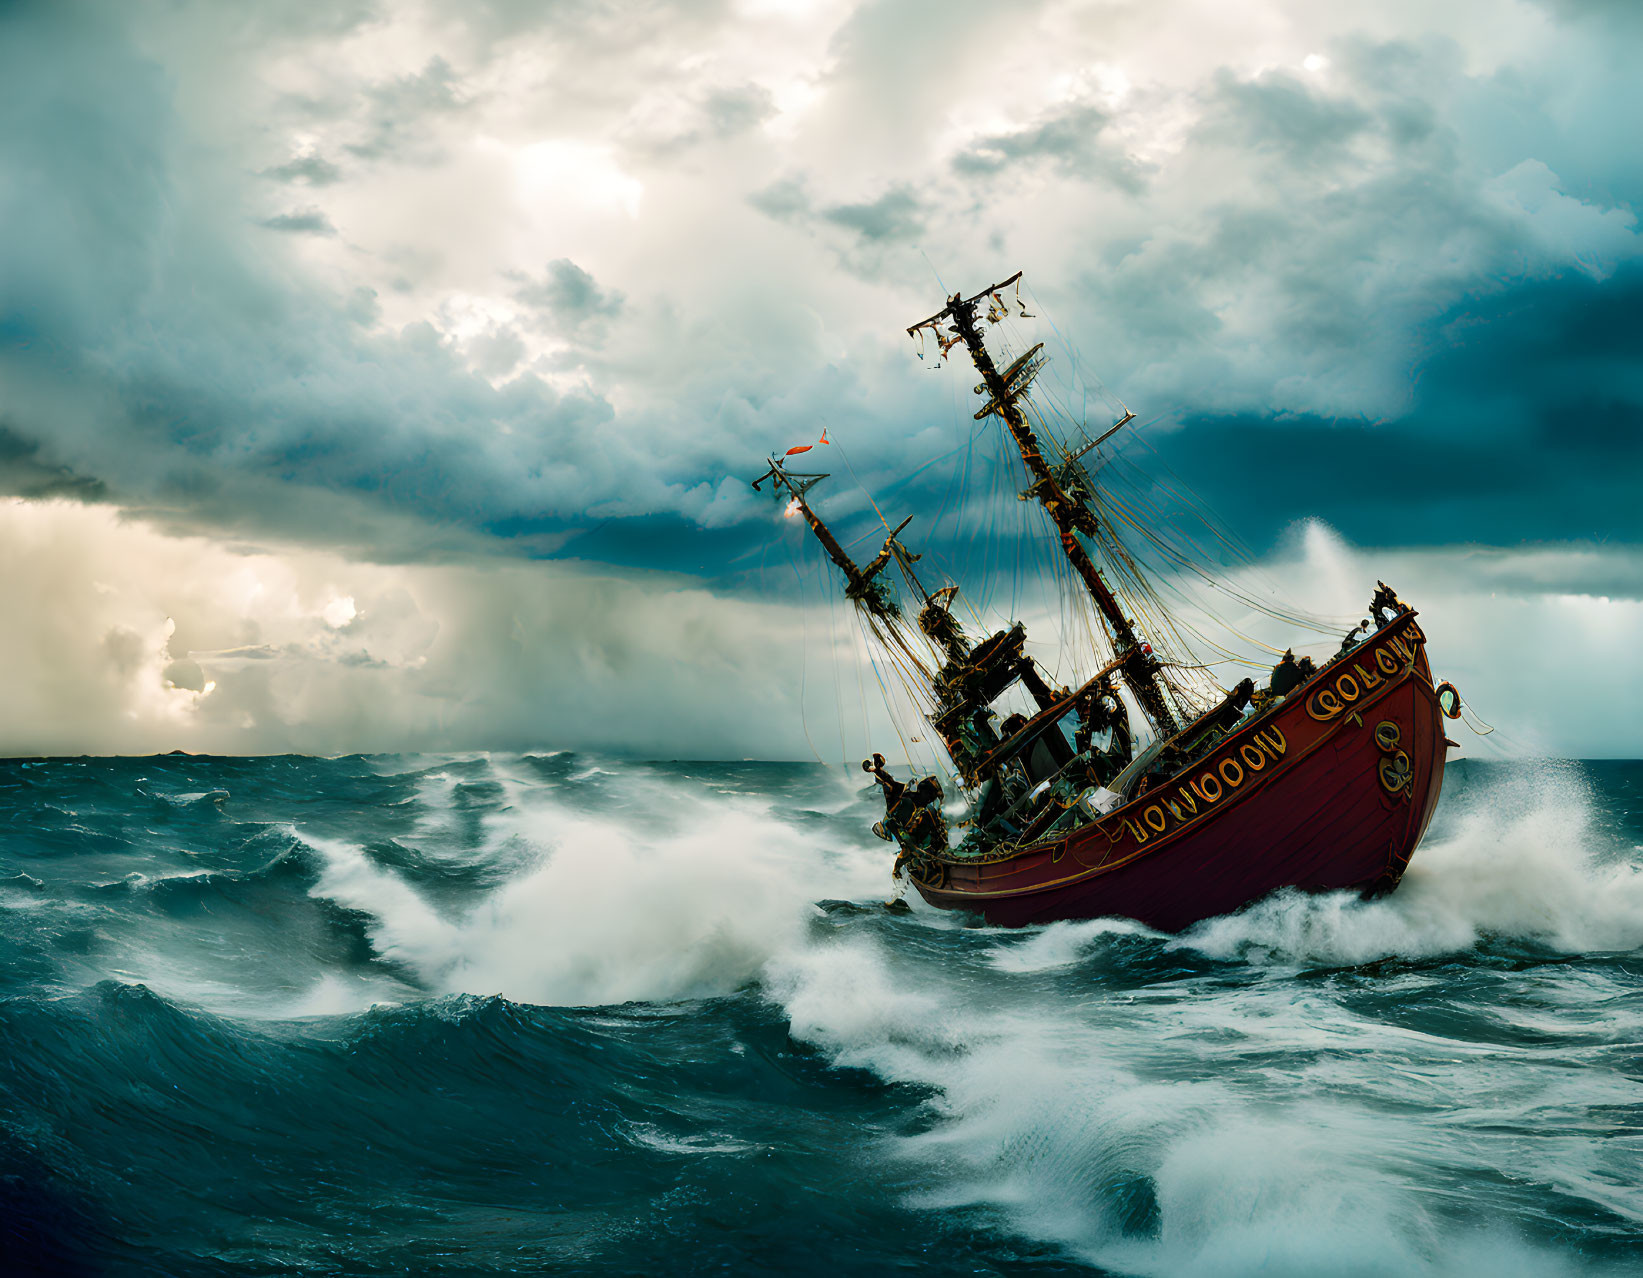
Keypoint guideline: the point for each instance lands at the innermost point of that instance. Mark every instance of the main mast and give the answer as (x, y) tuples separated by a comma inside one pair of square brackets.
[(1139, 668)]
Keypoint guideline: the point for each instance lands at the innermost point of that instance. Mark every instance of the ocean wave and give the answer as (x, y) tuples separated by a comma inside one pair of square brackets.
[(193, 799), (1194, 1132), (608, 913), (1184, 1116), (1524, 860), (397, 1005)]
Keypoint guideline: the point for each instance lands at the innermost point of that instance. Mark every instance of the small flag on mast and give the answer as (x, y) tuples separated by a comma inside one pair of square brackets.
[(805, 448)]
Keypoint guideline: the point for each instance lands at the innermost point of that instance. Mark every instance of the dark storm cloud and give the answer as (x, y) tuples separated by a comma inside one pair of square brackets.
[(862, 235), (23, 472), (310, 170), (398, 112), (784, 200), (1527, 426), (733, 111), (1068, 139), (1376, 293), (1278, 112), (153, 357), (1624, 14), (1319, 244), (565, 297), (1304, 251), (898, 214), (304, 222)]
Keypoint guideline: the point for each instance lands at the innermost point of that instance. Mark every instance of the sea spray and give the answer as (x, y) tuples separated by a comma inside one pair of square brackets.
[(1522, 860), (492, 1013), (1226, 1123), (608, 913)]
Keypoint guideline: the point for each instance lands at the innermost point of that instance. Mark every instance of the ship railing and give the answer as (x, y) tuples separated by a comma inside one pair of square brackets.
[(1027, 833), (1030, 731)]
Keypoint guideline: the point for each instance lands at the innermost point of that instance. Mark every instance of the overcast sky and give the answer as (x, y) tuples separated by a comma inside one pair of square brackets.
[(389, 376)]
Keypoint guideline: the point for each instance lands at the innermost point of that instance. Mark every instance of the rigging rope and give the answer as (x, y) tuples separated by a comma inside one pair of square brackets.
[(1153, 535)]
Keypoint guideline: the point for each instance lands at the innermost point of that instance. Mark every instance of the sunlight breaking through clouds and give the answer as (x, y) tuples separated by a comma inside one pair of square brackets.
[(433, 283)]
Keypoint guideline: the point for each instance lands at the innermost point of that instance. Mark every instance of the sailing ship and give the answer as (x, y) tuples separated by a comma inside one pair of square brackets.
[(1322, 778)]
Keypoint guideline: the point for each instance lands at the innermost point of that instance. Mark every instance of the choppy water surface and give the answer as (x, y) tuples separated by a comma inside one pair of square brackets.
[(521, 1014)]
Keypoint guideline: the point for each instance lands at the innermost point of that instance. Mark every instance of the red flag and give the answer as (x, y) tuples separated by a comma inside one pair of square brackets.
[(805, 448)]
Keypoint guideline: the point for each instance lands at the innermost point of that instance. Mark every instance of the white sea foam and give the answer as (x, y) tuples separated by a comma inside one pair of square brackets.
[(1062, 944), (436, 815), (1188, 1134), (1523, 860), (333, 994), (694, 1144), (1199, 1126), (1207, 1126), (609, 913)]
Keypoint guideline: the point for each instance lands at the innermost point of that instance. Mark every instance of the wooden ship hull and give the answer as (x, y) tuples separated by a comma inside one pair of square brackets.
[(1324, 779), (1332, 788)]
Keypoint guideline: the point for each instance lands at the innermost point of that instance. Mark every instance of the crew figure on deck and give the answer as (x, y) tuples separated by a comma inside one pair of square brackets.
[(1099, 710), (1045, 755), (912, 815), (1385, 601), (1286, 675), (1351, 639), (976, 735), (999, 795)]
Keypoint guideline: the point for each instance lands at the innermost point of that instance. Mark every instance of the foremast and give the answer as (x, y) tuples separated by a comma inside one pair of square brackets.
[(1138, 667), (861, 584), (974, 674)]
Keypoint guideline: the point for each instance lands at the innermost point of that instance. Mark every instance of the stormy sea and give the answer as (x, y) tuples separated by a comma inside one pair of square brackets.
[(499, 1014)]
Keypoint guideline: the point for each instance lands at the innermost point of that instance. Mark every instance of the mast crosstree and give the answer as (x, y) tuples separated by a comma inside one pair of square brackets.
[(861, 584), (1071, 516)]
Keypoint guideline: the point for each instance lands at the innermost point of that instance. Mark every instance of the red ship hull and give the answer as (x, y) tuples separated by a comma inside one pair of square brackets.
[(1331, 789)]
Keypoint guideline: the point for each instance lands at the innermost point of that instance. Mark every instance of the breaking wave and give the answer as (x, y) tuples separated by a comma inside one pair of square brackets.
[(547, 1011), (605, 912), (1522, 861)]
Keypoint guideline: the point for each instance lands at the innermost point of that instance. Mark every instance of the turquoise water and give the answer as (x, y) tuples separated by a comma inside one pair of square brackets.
[(522, 1014)]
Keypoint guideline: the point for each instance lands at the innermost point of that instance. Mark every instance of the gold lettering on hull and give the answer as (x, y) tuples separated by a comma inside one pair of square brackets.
[(1215, 780), (1187, 802), (1396, 656)]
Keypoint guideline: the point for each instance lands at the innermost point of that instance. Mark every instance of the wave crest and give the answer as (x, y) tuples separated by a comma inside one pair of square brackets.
[(1524, 859)]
